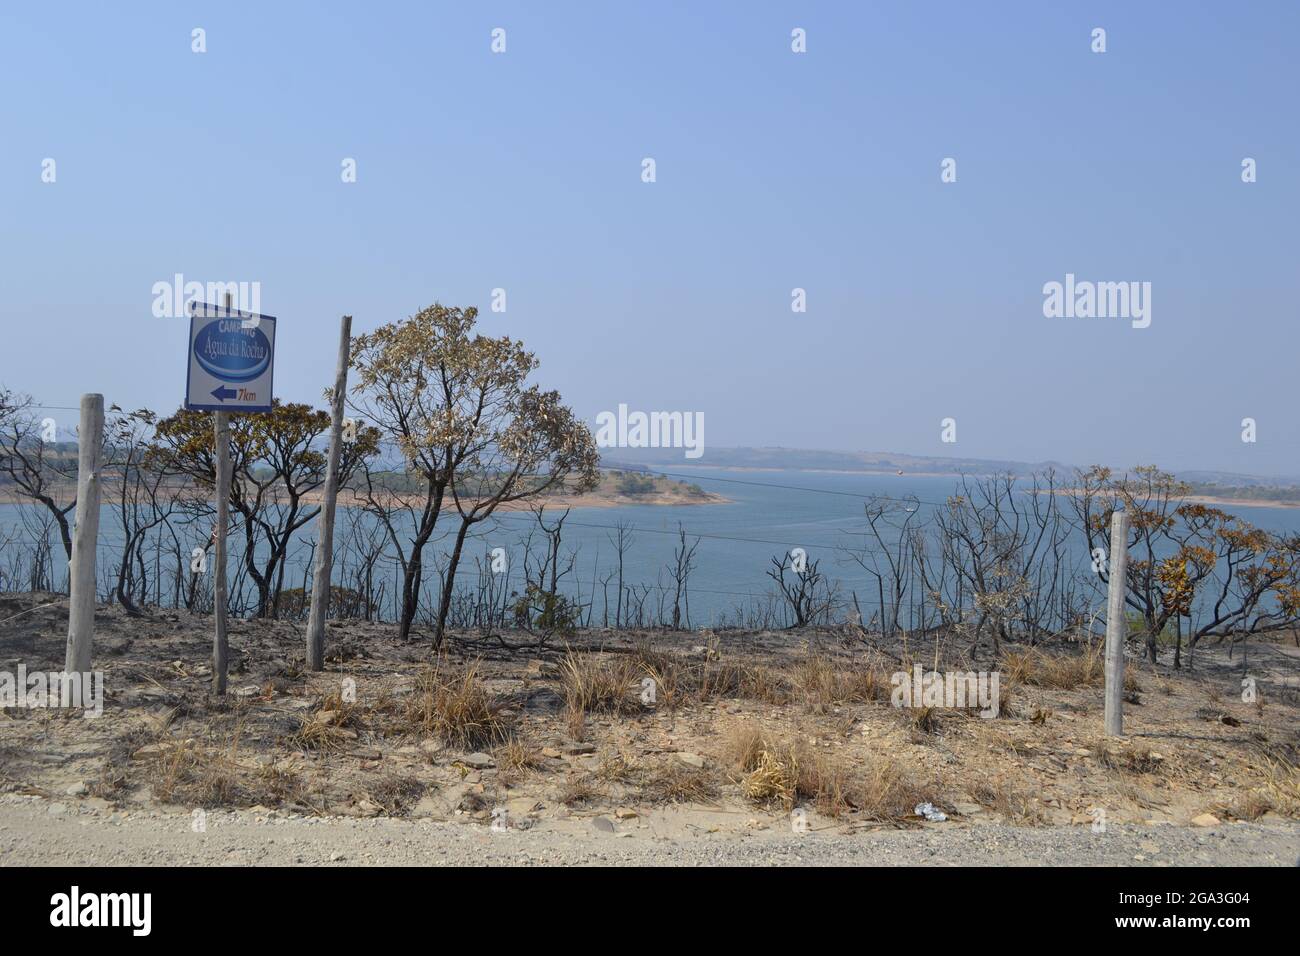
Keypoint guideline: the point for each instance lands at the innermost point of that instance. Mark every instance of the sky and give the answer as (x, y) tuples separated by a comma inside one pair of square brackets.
[(774, 170)]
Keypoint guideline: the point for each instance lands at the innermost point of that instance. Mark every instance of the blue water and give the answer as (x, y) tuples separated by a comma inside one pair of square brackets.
[(819, 512)]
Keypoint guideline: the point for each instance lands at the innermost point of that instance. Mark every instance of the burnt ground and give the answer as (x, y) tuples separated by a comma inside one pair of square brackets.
[(757, 732)]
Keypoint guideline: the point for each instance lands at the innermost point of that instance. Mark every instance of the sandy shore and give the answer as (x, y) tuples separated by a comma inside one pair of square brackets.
[(350, 499)]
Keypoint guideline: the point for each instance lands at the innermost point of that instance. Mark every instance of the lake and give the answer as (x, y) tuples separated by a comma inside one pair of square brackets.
[(770, 513)]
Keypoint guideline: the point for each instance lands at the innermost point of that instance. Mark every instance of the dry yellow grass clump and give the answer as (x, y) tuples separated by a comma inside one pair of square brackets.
[(1058, 671), (592, 682), (454, 706), (773, 771)]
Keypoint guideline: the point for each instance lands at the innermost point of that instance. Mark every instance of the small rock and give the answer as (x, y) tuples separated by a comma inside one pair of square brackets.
[(522, 806), (77, 790), (625, 813), (429, 807), (479, 761), (691, 760), (576, 749), (603, 824), (551, 752), (1206, 820)]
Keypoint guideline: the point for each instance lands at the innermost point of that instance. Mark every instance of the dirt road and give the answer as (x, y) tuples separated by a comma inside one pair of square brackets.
[(37, 832)]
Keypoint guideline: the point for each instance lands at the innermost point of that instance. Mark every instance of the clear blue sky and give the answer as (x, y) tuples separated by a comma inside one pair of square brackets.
[(775, 170)]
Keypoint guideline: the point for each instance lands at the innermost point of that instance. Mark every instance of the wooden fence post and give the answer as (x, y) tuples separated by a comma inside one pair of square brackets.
[(1116, 624), (321, 580), (220, 646), (85, 537)]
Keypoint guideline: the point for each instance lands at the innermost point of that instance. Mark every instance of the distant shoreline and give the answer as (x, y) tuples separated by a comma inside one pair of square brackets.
[(349, 498), (1196, 498)]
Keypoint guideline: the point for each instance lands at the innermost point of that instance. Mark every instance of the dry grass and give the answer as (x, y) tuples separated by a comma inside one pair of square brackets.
[(580, 789), (817, 681), (516, 759), (188, 772), (1065, 671), (621, 767), (1281, 788), (672, 782), (111, 784), (312, 735), (773, 778), (824, 684), (924, 720), (1013, 802), (592, 682), (671, 690), (396, 794), (192, 774), (330, 726), (680, 682), (114, 781), (1136, 760), (780, 772), (454, 706)]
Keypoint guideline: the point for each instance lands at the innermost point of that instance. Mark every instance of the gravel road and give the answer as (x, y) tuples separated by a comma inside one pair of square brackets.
[(72, 833)]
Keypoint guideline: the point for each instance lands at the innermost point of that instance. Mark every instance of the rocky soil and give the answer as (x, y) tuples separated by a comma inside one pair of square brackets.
[(753, 747)]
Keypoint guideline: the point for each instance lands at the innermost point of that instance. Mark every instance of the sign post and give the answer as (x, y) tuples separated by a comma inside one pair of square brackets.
[(231, 371), (220, 645)]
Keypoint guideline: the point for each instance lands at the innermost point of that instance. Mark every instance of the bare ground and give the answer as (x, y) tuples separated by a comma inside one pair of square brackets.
[(91, 835), (759, 747)]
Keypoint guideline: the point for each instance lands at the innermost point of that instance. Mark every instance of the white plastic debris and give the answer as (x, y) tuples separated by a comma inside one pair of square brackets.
[(931, 812)]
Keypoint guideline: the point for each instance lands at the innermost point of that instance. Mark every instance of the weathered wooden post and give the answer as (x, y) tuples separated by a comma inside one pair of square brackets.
[(1116, 624), (85, 537), (320, 589), (220, 646), (220, 640)]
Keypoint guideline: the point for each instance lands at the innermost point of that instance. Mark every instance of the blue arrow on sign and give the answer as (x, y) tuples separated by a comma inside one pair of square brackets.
[(223, 393)]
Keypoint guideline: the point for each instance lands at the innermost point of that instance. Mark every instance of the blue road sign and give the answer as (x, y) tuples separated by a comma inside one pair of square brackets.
[(231, 361)]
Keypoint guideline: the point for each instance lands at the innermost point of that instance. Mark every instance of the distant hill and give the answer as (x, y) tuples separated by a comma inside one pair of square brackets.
[(800, 459)]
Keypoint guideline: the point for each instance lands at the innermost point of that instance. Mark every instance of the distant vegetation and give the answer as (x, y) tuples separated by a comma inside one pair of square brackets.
[(1264, 494), (638, 485)]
